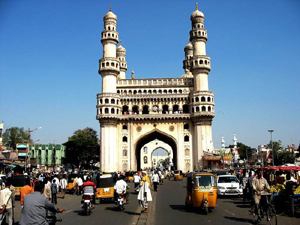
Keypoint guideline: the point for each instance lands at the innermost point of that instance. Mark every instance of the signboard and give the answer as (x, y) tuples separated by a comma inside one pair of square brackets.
[(22, 154)]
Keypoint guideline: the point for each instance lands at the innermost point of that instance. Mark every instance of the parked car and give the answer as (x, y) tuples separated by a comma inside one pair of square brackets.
[(229, 185)]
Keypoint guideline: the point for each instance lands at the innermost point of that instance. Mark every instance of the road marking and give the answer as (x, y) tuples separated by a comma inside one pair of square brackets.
[(68, 211), (229, 212)]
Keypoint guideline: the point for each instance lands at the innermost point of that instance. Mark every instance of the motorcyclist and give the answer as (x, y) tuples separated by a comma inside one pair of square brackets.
[(89, 188), (120, 188)]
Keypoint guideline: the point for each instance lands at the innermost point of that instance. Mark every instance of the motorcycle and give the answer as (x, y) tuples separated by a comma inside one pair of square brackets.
[(87, 204), (121, 201), (51, 218)]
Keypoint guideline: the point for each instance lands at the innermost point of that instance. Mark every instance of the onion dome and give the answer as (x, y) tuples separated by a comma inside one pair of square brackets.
[(120, 48), (189, 46), (110, 15), (197, 13)]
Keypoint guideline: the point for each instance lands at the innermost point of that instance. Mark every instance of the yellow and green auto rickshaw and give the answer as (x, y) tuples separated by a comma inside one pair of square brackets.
[(19, 181), (178, 175), (201, 191), (70, 186), (105, 187)]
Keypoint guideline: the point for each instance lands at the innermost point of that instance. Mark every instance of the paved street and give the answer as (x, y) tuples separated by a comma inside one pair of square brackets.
[(167, 208)]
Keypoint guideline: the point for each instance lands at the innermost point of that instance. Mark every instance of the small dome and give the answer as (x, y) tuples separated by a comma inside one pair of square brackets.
[(197, 13), (189, 46), (110, 15), (187, 74), (120, 48)]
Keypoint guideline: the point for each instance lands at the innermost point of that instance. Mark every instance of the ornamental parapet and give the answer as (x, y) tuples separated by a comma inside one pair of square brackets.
[(201, 62), (109, 64), (198, 34), (203, 114), (183, 116), (181, 82), (111, 35)]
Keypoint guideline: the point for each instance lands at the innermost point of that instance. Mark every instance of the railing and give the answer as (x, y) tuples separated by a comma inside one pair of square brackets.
[(156, 82)]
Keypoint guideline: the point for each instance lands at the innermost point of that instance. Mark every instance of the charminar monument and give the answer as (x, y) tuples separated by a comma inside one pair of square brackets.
[(176, 113)]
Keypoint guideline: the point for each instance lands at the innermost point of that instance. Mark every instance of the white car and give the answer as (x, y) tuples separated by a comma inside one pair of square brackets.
[(229, 185)]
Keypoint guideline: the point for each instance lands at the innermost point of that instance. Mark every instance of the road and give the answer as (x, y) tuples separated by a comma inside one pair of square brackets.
[(167, 208)]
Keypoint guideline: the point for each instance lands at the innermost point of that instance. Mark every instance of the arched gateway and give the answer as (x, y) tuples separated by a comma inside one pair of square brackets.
[(134, 112)]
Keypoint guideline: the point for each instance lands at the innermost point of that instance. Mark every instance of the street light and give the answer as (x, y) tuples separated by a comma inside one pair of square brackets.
[(28, 141), (271, 131)]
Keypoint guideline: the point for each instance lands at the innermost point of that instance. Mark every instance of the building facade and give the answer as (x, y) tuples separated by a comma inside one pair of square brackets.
[(134, 112), (46, 155)]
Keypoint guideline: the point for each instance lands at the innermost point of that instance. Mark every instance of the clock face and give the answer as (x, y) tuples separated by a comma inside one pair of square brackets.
[(155, 108)]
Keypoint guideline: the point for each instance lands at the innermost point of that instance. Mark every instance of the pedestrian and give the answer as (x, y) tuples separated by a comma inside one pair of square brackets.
[(54, 190), (136, 180), (245, 178), (144, 195), (35, 206), (63, 185), (25, 190), (79, 184), (155, 180), (47, 189), (6, 204), (57, 182)]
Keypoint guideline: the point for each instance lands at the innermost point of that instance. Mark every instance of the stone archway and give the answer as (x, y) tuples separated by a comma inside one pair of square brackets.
[(151, 136)]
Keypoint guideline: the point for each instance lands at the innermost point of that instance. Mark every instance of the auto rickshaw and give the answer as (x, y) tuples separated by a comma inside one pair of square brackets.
[(178, 175), (105, 187), (129, 176), (70, 186), (19, 181), (201, 191)]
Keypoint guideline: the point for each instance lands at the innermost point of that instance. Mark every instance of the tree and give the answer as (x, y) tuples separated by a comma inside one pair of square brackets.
[(83, 147), (276, 149), (284, 157), (14, 135), (244, 150)]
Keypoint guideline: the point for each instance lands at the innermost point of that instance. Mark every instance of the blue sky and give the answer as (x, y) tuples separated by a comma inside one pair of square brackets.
[(49, 52)]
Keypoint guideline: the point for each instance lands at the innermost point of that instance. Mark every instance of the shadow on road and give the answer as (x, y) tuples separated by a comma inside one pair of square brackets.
[(116, 209), (242, 220), (81, 212)]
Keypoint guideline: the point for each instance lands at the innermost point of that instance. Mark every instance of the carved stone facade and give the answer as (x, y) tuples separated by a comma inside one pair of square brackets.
[(176, 112)]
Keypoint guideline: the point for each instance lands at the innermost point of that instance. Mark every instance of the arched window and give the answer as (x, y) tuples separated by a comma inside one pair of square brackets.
[(125, 110), (187, 152), (197, 99), (145, 150), (135, 109), (203, 109), (124, 139), (140, 91), (186, 138), (145, 109), (165, 109), (186, 126), (186, 109), (154, 91), (202, 99), (197, 109), (208, 99), (159, 91), (209, 109), (124, 127), (145, 159), (106, 111), (106, 101), (112, 111), (175, 109), (124, 152)]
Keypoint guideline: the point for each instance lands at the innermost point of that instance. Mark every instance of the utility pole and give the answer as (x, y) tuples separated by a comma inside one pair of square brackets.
[(271, 131)]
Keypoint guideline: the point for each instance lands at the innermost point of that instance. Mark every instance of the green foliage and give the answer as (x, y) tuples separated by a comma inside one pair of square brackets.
[(83, 147), (276, 149), (14, 135), (243, 150), (284, 157)]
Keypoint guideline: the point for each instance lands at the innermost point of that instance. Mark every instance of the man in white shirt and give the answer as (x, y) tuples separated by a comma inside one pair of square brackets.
[(80, 183), (63, 185), (6, 199), (120, 187), (155, 180), (136, 180)]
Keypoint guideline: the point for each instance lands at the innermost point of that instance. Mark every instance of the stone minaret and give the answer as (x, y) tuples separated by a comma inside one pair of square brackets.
[(121, 55), (107, 107), (202, 105), (223, 143)]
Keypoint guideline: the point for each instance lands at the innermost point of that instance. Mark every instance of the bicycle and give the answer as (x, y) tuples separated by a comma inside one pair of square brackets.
[(266, 209), (283, 205)]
